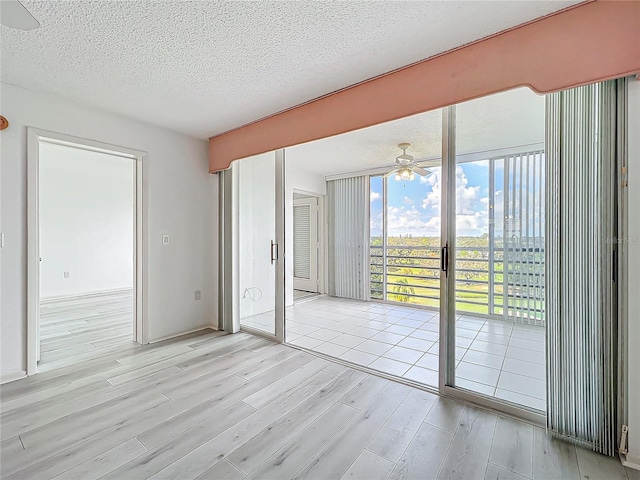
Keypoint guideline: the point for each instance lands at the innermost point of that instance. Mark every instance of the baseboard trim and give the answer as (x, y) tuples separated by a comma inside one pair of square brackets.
[(12, 377), (630, 461), (97, 293), (169, 337)]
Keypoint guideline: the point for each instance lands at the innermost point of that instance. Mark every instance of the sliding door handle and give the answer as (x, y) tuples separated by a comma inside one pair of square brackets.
[(274, 251), (444, 259)]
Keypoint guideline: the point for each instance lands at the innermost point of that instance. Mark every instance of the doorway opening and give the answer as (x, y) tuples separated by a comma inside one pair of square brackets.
[(382, 249), (85, 250)]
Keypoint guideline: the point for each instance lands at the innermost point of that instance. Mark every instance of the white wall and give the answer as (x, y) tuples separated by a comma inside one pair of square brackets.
[(634, 272), (256, 230), (301, 180), (86, 221), (181, 201)]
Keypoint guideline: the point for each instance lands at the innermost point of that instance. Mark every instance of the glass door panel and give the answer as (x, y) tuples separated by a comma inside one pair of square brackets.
[(498, 254), (413, 238), (377, 255), (259, 292)]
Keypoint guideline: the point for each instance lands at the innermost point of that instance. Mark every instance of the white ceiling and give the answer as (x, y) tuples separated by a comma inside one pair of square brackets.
[(504, 120), (202, 68)]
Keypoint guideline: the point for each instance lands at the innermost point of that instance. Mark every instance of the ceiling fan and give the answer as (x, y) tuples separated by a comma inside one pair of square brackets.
[(407, 167), (15, 15)]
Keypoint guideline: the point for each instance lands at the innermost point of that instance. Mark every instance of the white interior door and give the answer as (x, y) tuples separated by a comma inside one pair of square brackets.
[(305, 244)]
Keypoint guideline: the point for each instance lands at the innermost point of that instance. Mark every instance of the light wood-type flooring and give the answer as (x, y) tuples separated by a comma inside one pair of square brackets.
[(77, 328), (215, 406)]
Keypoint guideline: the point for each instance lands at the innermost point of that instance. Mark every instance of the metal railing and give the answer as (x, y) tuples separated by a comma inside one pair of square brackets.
[(412, 275)]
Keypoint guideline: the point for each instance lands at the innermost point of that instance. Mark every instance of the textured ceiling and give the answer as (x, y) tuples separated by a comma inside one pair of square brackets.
[(508, 119), (202, 68)]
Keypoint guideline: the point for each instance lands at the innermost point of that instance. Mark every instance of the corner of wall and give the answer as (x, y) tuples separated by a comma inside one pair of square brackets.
[(633, 268)]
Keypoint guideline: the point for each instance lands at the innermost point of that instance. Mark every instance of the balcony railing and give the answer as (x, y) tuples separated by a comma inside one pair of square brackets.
[(485, 283)]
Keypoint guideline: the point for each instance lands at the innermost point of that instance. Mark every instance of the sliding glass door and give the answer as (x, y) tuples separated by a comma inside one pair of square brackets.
[(486, 197), (496, 204), (385, 270), (259, 295)]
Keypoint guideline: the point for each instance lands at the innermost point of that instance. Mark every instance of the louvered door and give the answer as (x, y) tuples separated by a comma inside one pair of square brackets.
[(305, 244)]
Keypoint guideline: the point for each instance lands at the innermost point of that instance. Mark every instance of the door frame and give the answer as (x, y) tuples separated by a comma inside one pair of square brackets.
[(230, 232), (35, 137), (323, 240), (280, 241), (318, 248)]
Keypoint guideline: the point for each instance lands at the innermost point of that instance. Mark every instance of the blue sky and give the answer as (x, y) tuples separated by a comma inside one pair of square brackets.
[(414, 206)]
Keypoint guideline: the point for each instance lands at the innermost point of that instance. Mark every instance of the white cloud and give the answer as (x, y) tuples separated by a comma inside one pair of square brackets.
[(434, 224), (375, 224), (374, 196), (466, 196), (403, 221), (472, 225), (433, 197), (422, 218)]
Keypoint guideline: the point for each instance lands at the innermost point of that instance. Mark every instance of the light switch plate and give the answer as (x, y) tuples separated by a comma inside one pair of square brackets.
[(165, 239)]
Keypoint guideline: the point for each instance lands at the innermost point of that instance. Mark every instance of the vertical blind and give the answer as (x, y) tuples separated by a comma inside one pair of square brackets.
[(302, 241), (348, 224), (522, 237), (582, 161)]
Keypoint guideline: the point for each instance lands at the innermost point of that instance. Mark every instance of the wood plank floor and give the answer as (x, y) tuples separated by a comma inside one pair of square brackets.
[(75, 329), (215, 406)]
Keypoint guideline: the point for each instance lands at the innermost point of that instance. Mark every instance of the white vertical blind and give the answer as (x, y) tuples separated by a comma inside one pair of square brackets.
[(302, 241), (348, 237), (583, 154), (523, 237)]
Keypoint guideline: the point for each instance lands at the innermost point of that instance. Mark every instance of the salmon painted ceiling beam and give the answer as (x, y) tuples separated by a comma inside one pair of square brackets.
[(591, 42)]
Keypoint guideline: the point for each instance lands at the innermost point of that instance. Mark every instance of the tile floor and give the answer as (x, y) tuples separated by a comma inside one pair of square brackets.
[(299, 294), (496, 358)]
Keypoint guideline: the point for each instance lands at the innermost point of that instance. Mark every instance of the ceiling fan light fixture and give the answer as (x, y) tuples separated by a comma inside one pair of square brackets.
[(406, 168), (404, 158), (404, 174)]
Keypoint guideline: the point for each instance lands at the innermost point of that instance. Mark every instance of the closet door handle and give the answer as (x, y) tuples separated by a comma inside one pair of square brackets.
[(274, 251), (444, 259)]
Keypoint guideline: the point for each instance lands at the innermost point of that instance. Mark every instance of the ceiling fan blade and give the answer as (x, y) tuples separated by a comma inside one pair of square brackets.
[(390, 173), (15, 15), (421, 171)]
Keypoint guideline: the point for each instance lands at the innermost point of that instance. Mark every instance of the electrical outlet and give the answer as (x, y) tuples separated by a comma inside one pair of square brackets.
[(198, 294), (67, 274)]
